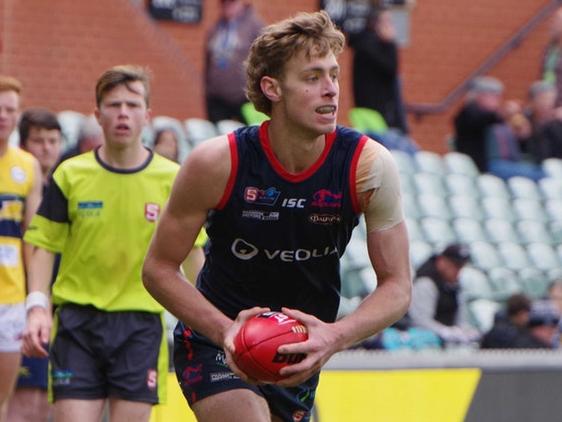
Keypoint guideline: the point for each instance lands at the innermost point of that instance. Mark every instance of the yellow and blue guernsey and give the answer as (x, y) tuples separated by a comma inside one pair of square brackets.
[(16, 181), (102, 219)]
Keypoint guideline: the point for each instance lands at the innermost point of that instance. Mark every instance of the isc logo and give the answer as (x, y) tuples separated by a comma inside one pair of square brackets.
[(293, 203), (288, 357)]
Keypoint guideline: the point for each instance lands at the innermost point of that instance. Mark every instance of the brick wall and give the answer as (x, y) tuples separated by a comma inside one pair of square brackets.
[(59, 48)]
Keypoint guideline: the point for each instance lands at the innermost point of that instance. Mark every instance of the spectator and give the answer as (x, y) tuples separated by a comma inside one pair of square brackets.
[(166, 144), (100, 211), (20, 181), (436, 303), (544, 320), (510, 325), (376, 83), (480, 111), (555, 295), (41, 135), (227, 46), (90, 136)]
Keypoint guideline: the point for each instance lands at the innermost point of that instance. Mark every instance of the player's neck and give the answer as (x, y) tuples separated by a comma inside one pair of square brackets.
[(123, 157), (295, 149)]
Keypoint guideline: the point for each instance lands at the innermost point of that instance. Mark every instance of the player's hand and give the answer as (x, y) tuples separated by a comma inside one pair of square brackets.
[(37, 332), (228, 344), (322, 343)]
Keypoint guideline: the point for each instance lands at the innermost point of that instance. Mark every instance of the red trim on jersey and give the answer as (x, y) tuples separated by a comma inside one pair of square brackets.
[(233, 171), (353, 174), (278, 167)]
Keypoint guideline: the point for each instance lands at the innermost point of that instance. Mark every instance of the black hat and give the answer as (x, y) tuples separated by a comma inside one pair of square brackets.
[(543, 312), (458, 253)]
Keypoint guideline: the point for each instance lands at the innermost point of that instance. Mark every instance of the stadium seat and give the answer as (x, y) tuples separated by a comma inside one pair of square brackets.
[(432, 205), (484, 255), (491, 185), (356, 251), (414, 229), (198, 130), (430, 162), (504, 282), (410, 205), (474, 284), (465, 206), (70, 122), (555, 230), (226, 126), (404, 161), (437, 231), (429, 183), (468, 230), (523, 187), (481, 313), (550, 188), (406, 183), (529, 209), (366, 120), (251, 115), (514, 256), (460, 184), (420, 251), (531, 231), (553, 167), (543, 256), (458, 163), (534, 282), (499, 208), (553, 209), (499, 231)]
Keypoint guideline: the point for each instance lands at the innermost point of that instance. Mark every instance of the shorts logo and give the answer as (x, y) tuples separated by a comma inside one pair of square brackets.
[(220, 358), (326, 199), (151, 211), (324, 219), (222, 376), (62, 377), (298, 415), (261, 215), (151, 379), (192, 374), (258, 196)]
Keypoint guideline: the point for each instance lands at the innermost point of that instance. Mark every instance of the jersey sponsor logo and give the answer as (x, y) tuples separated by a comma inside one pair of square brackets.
[(90, 208), (324, 219), (261, 215), (18, 175), (258, 196), (11, 208), (326, 199), (293, 203), (151, 211), (245, 251)]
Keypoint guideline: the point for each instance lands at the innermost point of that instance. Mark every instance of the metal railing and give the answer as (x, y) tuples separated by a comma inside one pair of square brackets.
[(421, 109)]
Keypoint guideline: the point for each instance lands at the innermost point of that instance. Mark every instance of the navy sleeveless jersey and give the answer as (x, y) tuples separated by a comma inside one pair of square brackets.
[(275, 238)]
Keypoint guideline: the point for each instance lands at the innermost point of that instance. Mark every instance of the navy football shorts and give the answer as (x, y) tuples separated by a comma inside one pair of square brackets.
[(97, 354), (202, 371), (33, 373)]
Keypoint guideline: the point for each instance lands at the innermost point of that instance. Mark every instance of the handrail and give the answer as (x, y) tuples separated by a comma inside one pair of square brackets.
[(422, 109)]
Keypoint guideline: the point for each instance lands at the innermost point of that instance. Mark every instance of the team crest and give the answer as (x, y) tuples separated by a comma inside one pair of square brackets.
[(151, 211), (18, 175)]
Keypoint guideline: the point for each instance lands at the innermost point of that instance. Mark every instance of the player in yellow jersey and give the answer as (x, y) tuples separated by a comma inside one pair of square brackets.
[(20, 192), (100, 211)]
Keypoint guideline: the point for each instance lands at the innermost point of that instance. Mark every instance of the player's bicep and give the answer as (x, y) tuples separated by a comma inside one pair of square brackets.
[(378, 187)]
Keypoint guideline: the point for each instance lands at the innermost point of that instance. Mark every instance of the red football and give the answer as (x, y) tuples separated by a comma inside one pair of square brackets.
[(257, 341)]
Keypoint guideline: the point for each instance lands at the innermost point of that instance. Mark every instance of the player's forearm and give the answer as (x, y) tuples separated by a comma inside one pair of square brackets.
[(167, 285), (39, 266), (386, 305)]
